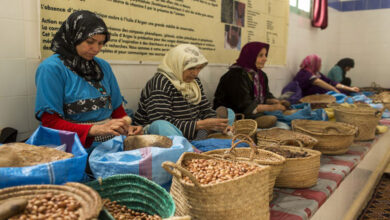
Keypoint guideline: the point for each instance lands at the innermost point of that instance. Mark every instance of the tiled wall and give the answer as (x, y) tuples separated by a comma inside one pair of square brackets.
[(355, 5)]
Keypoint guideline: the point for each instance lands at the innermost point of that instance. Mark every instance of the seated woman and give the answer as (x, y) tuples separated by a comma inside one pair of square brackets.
[(173, 101), (311, 81), (244, 88), (77, 91), (339, 71)]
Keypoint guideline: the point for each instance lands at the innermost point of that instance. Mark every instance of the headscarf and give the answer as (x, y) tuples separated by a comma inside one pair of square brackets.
[(78, 27), (178, 59), (311, 63), (345, 62), (247, 60)]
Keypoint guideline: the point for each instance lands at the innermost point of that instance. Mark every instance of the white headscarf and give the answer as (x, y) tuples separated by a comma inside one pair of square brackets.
[(178, 59)]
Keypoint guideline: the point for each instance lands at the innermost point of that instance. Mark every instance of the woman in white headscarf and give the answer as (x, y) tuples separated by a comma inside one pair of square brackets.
[(173, 101)]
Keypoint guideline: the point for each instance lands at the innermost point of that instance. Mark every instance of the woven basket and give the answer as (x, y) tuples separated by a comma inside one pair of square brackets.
[(365, 118), (245, 126), (262, 157), (318, 100), (279, 134), (90, 201), (141, 141), (245, 197), (333, 137), (384, 97), (136, 193), (299, 172)]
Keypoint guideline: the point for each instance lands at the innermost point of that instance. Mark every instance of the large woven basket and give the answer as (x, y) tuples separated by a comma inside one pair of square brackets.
[(365, 118), (141, 141), (299, 172), (333, 137), (279, 134), (245, 197), (245, 126), (259, 156), (90, 201), (318, 100), (385, 99), (136, 193)]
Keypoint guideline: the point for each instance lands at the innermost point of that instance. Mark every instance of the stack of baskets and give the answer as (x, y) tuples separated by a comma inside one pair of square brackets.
[(244, 197), (264, 137), (364, 117), (299, 172), (262, 157), (333, 137), (88, 198), (136, 193), (318, 100)]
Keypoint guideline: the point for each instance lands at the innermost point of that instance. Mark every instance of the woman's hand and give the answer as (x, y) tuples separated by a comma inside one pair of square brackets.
[(279, 107), (355, 89), (112, 127), (213, 124), (135, 130), (272, 101), (229, 130)]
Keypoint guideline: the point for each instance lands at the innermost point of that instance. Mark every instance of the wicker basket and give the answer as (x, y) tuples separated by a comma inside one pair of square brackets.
[(318, 100), (262, 157), (384, 97), (245, 126), (245, 197), (279, 134), (299, 172), (333, 137), (136, 193), (141, 141), (90, 201), (365, 118)]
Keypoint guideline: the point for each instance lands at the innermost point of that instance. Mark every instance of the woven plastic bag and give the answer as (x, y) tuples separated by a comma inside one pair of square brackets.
[(56, 172), (108, 159)]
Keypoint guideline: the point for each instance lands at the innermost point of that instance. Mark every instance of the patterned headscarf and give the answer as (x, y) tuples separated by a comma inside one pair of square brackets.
[(247, 60), (311, 63), (178, 59), (78, 27)]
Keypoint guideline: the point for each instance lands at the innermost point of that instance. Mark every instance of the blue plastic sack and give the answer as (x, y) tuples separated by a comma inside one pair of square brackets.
[(108, 159), (304, 112), (214, 144), (56, 172)]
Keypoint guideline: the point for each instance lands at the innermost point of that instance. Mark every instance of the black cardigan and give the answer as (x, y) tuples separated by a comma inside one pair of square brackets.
[(235, 91)]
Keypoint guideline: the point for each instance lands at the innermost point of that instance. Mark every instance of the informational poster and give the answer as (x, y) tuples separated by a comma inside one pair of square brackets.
[(144, 30)]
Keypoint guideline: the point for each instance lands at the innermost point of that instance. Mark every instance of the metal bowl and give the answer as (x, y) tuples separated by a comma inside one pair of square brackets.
[(141, 141)]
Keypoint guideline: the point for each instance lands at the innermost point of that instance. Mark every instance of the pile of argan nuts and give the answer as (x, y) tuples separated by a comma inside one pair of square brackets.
[(121, 212), (49, 207), (210, 171)]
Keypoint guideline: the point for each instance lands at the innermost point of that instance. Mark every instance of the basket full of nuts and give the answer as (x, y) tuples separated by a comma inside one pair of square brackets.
[(301, 168), (70, 201), (205, 187), (259, 156)]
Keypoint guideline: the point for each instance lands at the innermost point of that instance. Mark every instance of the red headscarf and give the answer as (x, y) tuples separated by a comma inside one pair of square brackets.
[(311, 63)]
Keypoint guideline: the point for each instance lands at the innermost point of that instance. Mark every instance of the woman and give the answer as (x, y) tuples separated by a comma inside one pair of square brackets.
[(339, 71), (244, 88), (77, 91), (311, 81), (173, 101)]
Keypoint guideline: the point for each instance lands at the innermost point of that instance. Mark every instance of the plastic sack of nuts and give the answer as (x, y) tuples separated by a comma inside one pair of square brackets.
[(204, 188)]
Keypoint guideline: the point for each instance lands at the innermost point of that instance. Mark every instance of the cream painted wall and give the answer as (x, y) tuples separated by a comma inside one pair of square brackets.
[(19, 58)]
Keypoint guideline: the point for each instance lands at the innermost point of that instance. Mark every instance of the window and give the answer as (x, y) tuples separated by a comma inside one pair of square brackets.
[(302, 7)]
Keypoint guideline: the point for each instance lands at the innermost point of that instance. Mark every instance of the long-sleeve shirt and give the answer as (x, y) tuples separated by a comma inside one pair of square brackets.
[(336, 74), (305, 80), (160, 100)]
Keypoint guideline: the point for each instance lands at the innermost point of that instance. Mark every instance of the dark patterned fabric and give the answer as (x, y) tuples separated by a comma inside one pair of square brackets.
[(79, 26), (97, 138), (379, 205)]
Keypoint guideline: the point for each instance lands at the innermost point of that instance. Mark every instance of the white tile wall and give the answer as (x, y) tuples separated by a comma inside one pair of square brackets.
[(12, 9), (12, 38)]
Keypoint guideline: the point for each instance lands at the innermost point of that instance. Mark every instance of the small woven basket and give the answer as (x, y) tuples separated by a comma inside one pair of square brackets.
[(333, 137), (141, 141), (245, 197), (364, 117), (318, 100), (259, 156), (279, 134), (136, 193), (90, 201), (299, 172), (245, 126)]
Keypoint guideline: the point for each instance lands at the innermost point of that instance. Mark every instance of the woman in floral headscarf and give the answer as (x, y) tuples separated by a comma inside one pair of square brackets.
[(173, 101), (311, 81), (77, 91), (244, 88)]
